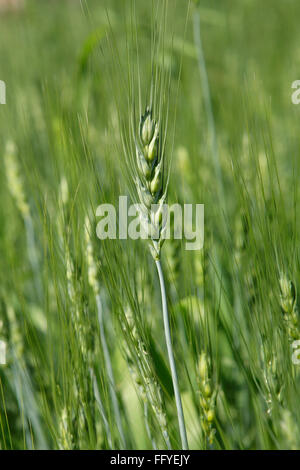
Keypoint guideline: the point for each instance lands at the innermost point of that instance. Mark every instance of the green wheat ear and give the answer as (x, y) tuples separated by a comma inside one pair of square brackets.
[(152, 188), (150, 184)]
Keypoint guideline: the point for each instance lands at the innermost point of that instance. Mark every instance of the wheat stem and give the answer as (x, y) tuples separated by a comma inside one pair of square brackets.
[(180, 414)]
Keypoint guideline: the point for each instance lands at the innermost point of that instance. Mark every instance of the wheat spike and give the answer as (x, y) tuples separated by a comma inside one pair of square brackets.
[(149, 181)]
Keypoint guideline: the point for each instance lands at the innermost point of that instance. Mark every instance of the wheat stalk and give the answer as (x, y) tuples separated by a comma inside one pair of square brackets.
[(151, 182)]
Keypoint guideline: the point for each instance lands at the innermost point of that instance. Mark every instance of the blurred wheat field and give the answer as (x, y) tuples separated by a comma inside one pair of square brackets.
[(81, 318)]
